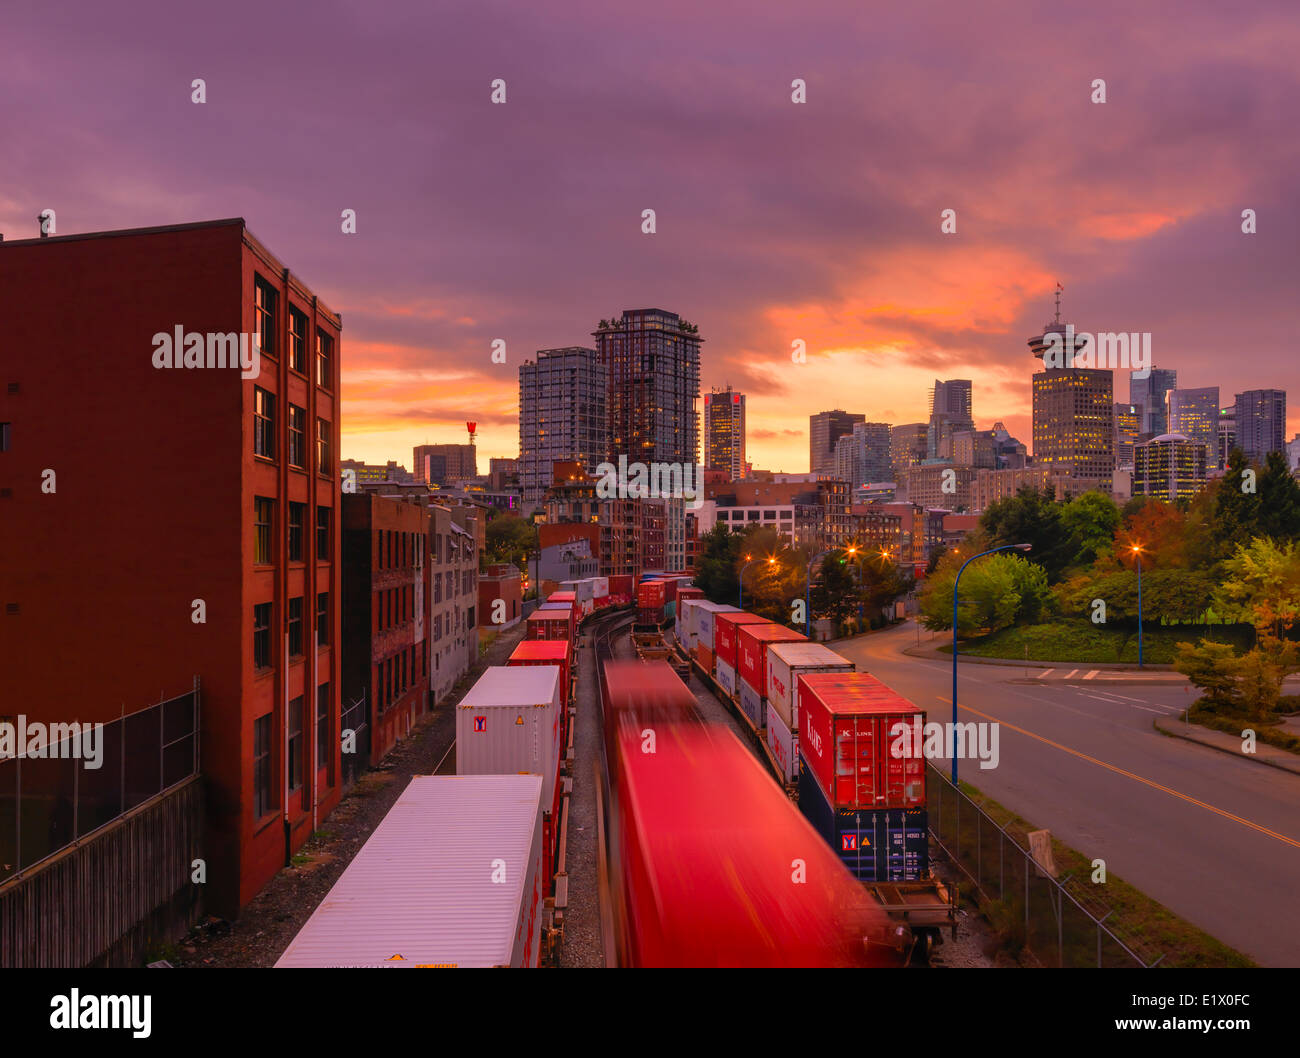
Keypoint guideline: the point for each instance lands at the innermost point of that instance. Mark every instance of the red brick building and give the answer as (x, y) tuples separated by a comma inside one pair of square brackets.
[(386, 650), (502, 582), (165, 524)]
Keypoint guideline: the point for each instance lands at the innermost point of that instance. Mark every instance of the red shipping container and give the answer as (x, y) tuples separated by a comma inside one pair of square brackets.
[(546, 652), (725, 626), (621, 589), (846, 733), (751, 651), (562, 596), (650, 595), (703, 801), (550, 624)]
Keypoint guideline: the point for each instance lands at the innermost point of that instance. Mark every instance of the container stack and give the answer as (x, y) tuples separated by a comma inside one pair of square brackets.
[(509, 723), (860, 785), (785, 663), (726, 628), (752, 644)]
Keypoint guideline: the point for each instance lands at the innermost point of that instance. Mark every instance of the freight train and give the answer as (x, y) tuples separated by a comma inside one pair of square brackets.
[(708, 862), (825, 731)]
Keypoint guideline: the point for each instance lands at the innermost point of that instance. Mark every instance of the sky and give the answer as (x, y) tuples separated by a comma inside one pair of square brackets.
[(775, 221)]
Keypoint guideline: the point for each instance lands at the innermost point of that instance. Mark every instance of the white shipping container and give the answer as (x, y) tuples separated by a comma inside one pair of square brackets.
[(421, 890), (704, 622), (599, 587), (784, 663), (509, 722), (784, 745), (582, 589), (685, 620), (726, 677), (752, 705)]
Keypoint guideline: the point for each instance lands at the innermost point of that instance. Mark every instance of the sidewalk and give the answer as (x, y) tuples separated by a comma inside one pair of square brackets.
[(1222, 741)]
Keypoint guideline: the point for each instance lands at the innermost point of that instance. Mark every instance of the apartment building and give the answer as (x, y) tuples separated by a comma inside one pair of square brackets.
[(225, 581)]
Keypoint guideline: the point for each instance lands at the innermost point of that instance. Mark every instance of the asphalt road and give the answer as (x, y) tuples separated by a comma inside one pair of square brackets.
[(1214, 838)]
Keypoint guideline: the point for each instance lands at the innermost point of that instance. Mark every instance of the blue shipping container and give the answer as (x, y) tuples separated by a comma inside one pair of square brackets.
[(876, 845)]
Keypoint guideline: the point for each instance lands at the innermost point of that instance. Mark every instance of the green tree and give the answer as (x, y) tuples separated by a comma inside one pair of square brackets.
[(1236, 512), (1029, 517), (1213, 668), (834, 593), (509, 538), (996, 592), (1279, 500), (1262, 586), (1089, 524)]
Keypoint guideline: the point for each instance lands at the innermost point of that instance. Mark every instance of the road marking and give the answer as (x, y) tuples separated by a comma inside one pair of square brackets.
[(1044, 675), (1092, 674), (1124, 696), (1131, 775), (1069, 674), (1098, 697)]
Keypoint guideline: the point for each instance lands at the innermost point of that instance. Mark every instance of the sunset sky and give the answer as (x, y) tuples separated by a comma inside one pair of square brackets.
[(776, 221)]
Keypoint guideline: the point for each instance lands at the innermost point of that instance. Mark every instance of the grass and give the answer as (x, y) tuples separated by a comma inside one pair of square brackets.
[(1218, 718), (1081, 641), (1182, 944)]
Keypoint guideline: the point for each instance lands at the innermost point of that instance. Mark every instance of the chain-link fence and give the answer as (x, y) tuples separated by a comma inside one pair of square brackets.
[(1057, 924), (54, 791)]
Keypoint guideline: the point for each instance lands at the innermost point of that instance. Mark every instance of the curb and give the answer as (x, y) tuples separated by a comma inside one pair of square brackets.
[(1102, 666), (1175, 730)]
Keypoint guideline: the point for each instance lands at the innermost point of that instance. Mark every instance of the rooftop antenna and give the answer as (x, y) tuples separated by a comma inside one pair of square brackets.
[(1059, 288)]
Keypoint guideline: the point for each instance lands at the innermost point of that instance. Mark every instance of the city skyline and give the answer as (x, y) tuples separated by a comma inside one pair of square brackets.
[(529, 231)]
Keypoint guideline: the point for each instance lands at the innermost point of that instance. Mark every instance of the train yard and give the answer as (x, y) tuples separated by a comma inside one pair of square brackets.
[(675, 819)]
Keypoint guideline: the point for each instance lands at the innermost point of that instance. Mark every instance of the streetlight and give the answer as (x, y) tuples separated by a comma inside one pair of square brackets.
[(1137, 551), (771, 561), (807, 591), (956, 581)]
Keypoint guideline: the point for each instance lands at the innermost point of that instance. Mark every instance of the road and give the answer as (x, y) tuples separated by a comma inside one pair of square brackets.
[(1214, 838)]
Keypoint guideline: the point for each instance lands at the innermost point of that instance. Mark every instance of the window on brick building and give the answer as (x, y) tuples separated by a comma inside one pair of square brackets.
[(295, 748), (266, 299), (297, 437), (263, 423), (262, 636), (297, 515), (297, 341), (263, 523), (262, 788), (295, 627)]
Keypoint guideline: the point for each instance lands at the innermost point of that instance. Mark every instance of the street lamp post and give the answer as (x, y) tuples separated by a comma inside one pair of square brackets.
[(956, 581), (807, 592), (1137, 551)]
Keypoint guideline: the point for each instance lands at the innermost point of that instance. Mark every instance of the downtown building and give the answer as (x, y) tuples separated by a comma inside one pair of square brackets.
[(863, 456), (724, 432), (445, 464), (1149, 391), (653, 362), (1074, 416), (907, 447), (1261, 423), (563, 416), (1194, 413), (1170, 467), (214, 598), (950, 413), (824, 431)]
